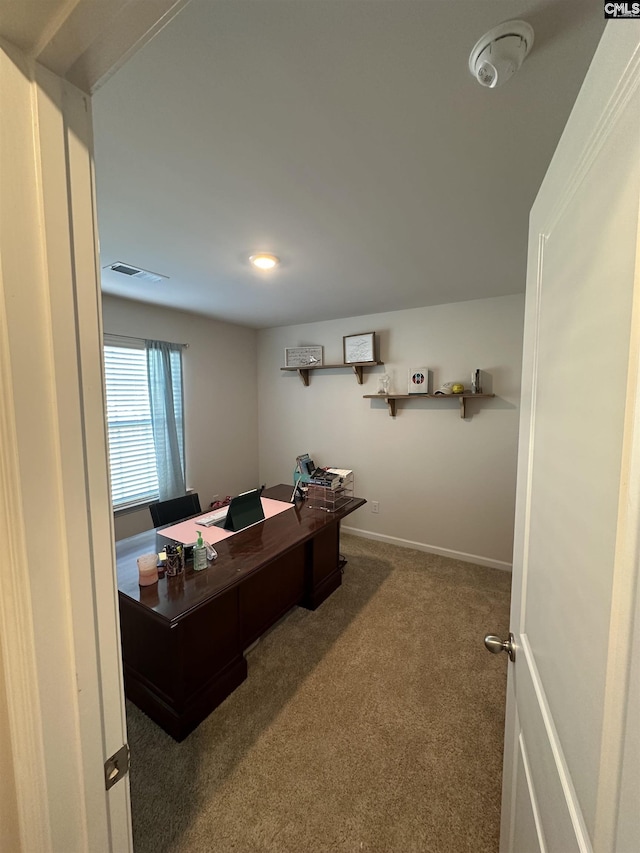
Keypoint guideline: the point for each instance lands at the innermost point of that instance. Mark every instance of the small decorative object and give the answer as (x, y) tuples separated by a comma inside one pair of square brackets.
[(302, 356), (445, 388), (359, 349), (457, 388), (220, 504), (476, 381), (384, 383), (175, 560), (148, 569), (305, 466), (419, 380)]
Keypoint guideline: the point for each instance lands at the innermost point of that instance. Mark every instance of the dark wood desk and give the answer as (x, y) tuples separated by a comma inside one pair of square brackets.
[(183, 638)]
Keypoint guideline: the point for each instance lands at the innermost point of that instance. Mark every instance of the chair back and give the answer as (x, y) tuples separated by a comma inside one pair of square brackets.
[(175, 509)]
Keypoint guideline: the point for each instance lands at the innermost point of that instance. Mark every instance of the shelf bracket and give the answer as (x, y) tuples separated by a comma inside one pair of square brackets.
[(392, 407), (463, 410), (303, 373), (357, 369)]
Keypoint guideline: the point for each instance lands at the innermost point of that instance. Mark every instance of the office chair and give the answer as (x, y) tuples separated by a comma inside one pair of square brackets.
[(175, 509)]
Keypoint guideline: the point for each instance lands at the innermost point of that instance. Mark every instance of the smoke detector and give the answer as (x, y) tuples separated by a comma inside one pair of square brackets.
[(499, 53), (136, 272)]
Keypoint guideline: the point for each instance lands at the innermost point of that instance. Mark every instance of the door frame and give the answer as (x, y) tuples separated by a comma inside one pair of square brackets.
[(59, 626), (61, 690)]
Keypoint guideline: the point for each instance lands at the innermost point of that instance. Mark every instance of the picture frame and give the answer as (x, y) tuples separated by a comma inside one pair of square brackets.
[(419, 380), (310, 356), (359, 349)]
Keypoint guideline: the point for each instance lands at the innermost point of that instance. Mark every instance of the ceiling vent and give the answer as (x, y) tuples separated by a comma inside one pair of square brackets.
[(135, 272)]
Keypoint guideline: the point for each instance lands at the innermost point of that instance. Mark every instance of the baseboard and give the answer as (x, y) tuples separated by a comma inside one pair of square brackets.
[(430, 549)]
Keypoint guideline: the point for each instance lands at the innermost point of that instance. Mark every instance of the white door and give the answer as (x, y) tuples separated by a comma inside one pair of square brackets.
[(571, 768)]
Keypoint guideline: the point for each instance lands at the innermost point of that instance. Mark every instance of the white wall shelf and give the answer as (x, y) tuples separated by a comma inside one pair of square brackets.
[(358, 369), (391, 399)]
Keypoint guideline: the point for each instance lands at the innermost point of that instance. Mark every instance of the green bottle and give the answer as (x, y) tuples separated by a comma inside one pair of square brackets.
[(199, 554)]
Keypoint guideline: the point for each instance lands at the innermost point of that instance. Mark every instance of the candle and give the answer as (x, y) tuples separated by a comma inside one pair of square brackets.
[(148, 569)]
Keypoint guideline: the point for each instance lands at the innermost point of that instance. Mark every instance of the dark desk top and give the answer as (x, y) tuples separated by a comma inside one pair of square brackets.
[(238, 556)]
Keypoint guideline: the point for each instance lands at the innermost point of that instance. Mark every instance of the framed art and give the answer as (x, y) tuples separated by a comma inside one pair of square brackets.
[(359, 348), (302, 356), (419, 380)]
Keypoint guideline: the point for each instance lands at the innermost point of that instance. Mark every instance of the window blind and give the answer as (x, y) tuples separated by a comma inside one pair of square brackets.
[(132, 460)]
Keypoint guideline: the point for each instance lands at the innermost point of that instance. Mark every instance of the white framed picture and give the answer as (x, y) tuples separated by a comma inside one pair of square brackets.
[(418, 380), (359, 348), (302, 356)]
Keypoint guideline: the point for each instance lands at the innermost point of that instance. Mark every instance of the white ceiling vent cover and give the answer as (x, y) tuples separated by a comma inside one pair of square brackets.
[(135, 272)]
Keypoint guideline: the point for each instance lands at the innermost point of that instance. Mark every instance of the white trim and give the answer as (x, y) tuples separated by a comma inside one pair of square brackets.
[(535, 808), (564, 776), (17, 643), (625, 578), (601, 133), (59, 631), (430, 549), (94, 599), (16, 631)]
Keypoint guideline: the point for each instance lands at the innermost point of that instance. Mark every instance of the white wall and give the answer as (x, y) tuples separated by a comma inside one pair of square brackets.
[(444, 484), (221, 411)]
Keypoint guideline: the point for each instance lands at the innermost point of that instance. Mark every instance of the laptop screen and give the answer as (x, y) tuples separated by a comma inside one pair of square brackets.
[(244, 510)]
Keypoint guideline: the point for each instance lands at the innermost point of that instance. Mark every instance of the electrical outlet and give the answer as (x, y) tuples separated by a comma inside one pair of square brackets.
[(375, 506)]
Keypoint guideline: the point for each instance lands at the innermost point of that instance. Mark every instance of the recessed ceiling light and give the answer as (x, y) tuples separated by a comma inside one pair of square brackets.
[(264, 261)]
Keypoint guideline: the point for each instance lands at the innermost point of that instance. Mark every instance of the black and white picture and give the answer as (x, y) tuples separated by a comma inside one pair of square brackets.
[(359, 348), (302, 356)]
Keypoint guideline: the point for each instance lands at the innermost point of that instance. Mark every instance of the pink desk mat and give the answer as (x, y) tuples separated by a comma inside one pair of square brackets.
[(187, 531)]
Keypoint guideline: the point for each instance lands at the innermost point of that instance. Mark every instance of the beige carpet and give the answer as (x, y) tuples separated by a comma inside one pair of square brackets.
[(373, 724)]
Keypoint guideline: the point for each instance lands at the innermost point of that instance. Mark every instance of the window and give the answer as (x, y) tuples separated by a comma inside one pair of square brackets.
[(132, 450)]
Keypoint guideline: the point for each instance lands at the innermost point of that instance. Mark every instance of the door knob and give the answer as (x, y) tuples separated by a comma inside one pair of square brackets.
[(495, 645)]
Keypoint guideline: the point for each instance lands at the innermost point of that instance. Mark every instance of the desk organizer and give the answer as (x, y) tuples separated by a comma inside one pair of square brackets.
[(329, 500)]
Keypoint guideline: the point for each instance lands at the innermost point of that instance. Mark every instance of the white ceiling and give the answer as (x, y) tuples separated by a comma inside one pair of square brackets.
[(345, 136)]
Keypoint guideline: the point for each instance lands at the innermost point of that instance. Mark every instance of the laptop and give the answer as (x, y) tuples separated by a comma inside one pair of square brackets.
[(243, 511)]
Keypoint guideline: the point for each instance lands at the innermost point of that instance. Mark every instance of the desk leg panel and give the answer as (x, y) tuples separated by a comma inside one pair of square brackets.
[(209, 640), (322, 566), (197, 708), (178, 672), (149, 652), (270, 593)]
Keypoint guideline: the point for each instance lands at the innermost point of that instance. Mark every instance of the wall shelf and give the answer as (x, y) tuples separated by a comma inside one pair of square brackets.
[(391, 399), (358, 369)]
